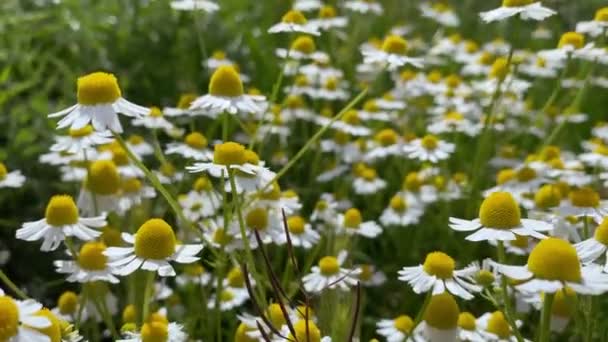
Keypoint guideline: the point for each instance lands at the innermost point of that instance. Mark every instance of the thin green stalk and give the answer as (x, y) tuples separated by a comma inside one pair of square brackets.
[(225, 123), (9, 283), (148, 289), (420, 314), (506, 298), (545, 323), (101, 307)]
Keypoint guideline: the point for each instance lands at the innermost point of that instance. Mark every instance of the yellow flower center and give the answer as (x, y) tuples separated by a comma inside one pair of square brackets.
[(403, 323), (155, 240), (132, 185), (484, 278), (9, 318), (303, 44), (91, 257), (135, 139), (185, 100), (111, 236), (194, 269), (296, 224), (229, 153), (369, 174), (61, 210), (500, 68), (439, 264), (398, 204), (226, 82), (202, 184), (219, 54), (549, 153), (466, 321), (294, 101), (442, 312), (154, 332), (97, 88), (526, 174), (574, 39), (236, 278), (167, 169), (601, 14), (120, 156), (242, 332), (601, 232), (516, 3), (196, 140), (412, 182), (331, 83), (352, 218), (395, 45), (81, 132), (434, 76), (308, 332), (221, 237), (276, 315), (53, 331), (257, 218), (548, 196), (321, 205), (251, 157), (3, 171), (103, 178), (407, 75), (327, 12), (564, 303), (555, 259), (520, 241), (584, 197), (387, 137), (429, 142), (294, 17), (226, 296), (505, 175), (67, 303), (454, 116), (471, 46), (498, 325), (367, 272), (155, 112), (500, 210), (129, 314), (329, 265), (304, 312)]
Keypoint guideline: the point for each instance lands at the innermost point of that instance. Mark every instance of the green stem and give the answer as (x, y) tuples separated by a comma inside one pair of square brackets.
[(506, 298), (149, 286), (9, 283), (225, 123), (420, 314), (101, 307), (545, 323)]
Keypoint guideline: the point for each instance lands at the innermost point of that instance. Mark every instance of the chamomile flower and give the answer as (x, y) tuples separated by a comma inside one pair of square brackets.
[(500, 219), (495, 327), (13, 179), (301, 233), (153, 246), (562, 308), (525, 9), (303, 48), (395, 330), (329, 274), (78, 140), (441, 13), (61, 220), (583, 201), (351, 223), (133, 192), (392, 54), (90, 265), (195, 274), (156, 330), (304, 331), (226, 94), (364, 6), (401, 213), (429, 148), (154, 120), (218, 58), (554, 265), (294, 21), (468, 328), (229, 299), (23, 321), (597, 26), (101, 189), (328, 19), (438, 274), (195, 146), (571, 45), (124, 165), (194, 5), (593, 248), (370, 275), (326, 209), (367, 182), (99, 102), (441, 319)]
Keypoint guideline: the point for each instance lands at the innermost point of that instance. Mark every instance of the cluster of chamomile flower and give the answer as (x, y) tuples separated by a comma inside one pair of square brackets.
[(165, 235)]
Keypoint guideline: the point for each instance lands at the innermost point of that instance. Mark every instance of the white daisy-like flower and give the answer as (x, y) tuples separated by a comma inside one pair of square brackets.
[(195, 146), (597, 26), (500, 219), (229, 298), (154, 120), (469, 330), (364, 6), (13, 179), (301, 233), (226, 94), (438, 274), (401, 212), (440, 320), (156, 330), (351, 223), (329, 274), (217, 59), (328, 19), (392, 54), (395, 330), (193, 5), (133, 193), (554, 265), (101, 188), (525, 9), (429, 148), (153, 246), (593, 248), (368, 182), (441, 13), (495, 327), (61, 220), (583, 201), (294, 21), (307, 5), (99, 102), (80, 139), (193, 273), (572, 45), (22, 320), (90, 265), (196, 206), (370, 275), (305, 331), (301, 48)]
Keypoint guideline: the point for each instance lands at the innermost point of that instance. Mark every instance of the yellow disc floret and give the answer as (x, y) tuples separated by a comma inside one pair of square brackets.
[(275, 314), (386, 137), (97, 88), (548, 196), (398, 204), (242, 333), (498, 325), (500, 210), (573, 39), (466, 321), (9, 318), (303, 44), (601, 232), (395, 45), (196, 140), (296, 225), (584, 197), (305, 331), (155, 240), (103, 178), (601, 14), (294, 17), (257, 218), (3, 171), (442, 312), (226, 82), (236, 278), (555, 259), (429, 142), (404, 324), (129, 314), (81, 132), (154, 332), (352, 218), (53, 331), (439, 264), (500, 68), (564, 303), (516, 3), (61, 210), (329, 265), (229, 153), (67, 303), (91, 256)]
